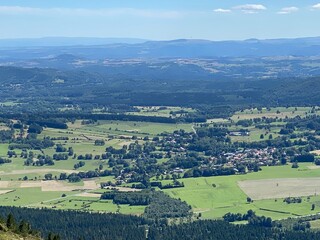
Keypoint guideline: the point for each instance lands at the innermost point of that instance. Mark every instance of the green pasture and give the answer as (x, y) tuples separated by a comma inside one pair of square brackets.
[(3, 149), (315, 224), (215, 196), (34, 197), (157, 112), (69, 164), (284, 112), (218, 120), (93, 204), (27, 196), (133, 128), (254, 134)]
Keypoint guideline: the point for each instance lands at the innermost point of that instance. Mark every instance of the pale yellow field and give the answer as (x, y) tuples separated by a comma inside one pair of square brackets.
[(5, 191), (90, 184), (4, 184), (50, 186), (86, 194), (57, 186), (124, 189), (317, 152), (280, 188), (37, 170)]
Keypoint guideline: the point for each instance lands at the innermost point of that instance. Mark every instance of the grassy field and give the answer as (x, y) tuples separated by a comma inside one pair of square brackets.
[(218, 120), (280, 187), (9, 103), (133, 128), (279, 112), (35, 197), (215, 196), (92, 204), (27, 196), (160, 111), (315, 224), (255, 134)]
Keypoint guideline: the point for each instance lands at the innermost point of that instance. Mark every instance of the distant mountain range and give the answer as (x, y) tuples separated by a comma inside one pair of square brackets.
[(121, 48), (65, 41)]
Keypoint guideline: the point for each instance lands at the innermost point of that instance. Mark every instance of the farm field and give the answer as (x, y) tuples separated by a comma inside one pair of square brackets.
[(316, 152), (215, 196), (255, 134), (278, 112), (260, 134), (164, 111), (60, 195), (130, 128), (315, 224), (3, 149), (280, 188)]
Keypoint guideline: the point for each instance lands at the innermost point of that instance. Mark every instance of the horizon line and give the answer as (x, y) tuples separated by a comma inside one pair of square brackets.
[(148, 39)]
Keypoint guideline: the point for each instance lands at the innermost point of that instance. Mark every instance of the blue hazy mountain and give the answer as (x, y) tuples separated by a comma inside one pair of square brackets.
[(65, 41), (95, 48)]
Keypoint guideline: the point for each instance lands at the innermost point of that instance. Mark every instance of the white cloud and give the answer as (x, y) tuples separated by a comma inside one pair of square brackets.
[(18, 10), (221, 10), (288, 10), (250, 8), (107, 12), (316, 6)]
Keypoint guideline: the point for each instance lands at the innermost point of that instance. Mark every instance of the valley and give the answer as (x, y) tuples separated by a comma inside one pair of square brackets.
[(93, 148)]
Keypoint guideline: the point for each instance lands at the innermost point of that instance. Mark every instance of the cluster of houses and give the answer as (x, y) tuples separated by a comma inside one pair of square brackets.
[(263, 157)]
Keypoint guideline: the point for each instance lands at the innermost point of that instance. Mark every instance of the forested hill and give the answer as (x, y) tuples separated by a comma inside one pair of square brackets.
[(46, 89), (70, 225)]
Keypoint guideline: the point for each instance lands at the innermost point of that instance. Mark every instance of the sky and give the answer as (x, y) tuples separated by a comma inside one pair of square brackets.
[(160, 19)]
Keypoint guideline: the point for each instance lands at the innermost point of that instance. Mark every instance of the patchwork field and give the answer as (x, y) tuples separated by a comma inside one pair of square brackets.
[(85, 195), (211, 196)]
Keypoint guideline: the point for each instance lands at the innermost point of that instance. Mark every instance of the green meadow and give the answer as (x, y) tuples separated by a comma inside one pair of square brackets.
[(215, 196), (279, 112)]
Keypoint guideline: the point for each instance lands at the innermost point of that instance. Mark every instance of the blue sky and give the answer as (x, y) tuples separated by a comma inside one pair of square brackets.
[(160, 19)]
